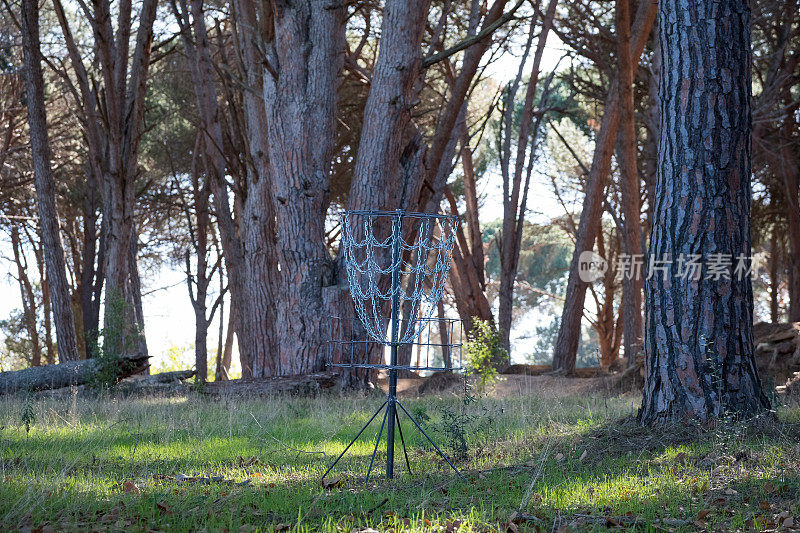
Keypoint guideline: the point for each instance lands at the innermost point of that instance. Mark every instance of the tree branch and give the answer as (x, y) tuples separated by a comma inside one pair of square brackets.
[(469, 41)]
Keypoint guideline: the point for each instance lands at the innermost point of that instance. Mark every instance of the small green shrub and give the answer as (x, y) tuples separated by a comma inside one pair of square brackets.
[(484, 350), (28, 414), (118, 337)]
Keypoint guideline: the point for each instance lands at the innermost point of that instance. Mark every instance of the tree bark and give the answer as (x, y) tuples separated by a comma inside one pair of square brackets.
[(774, 279), (791, 179), (629, 185), (45, 187), (699, 360), (300, 85), (569, 332), (91, 281)]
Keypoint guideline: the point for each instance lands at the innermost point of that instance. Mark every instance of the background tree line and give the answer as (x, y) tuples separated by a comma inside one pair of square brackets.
[(224, 138)]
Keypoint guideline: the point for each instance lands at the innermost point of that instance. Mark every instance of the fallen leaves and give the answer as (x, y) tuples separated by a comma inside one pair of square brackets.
[(332, 482), (130, 486)]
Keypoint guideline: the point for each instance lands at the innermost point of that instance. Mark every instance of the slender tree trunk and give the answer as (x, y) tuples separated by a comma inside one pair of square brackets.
[(467, 271), (28, 297), (699, 361), (569, 332), (774, 279), (513, 209), (45, 187), (136, 297), (444, 335), (791, 179), (38, 252), (50, 353), (90, 274), (227, 355), (629, 181)]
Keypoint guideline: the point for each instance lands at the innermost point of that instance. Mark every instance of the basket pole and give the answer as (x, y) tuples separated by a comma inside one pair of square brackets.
[(397, 228)]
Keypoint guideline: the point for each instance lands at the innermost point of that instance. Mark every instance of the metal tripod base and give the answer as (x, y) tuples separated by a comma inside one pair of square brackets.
[(391, 404)]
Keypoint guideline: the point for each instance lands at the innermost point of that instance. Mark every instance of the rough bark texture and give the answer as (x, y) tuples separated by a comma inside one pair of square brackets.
[(45, 187), (294, 385), (629, 185), (393, 93), (569, 332), (699, 360), (66, 374), (248, 248), (300, 85)]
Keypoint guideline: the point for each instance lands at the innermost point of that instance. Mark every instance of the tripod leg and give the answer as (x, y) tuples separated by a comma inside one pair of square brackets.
[(378, 441), (403, 442), (354, 440), (431, 441)]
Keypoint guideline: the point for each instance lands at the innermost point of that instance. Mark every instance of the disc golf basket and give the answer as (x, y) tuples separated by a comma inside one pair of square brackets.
[(397, 264)]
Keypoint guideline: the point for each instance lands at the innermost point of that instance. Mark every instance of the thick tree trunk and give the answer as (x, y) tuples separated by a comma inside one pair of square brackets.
[(45, 188), (569, 332), (119, 316), (629, 185), (300, 97), (70, 373), (699, 361)]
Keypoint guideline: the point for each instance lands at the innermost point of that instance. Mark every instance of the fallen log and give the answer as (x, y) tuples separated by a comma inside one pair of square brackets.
[(298, 385), (777, 350), (171, 378), (540, 370), (69, 374)]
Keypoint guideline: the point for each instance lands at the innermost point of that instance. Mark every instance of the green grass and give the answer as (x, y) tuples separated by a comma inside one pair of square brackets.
[(577, 462)]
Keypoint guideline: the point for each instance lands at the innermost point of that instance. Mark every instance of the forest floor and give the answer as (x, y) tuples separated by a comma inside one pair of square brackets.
[(533, 460)]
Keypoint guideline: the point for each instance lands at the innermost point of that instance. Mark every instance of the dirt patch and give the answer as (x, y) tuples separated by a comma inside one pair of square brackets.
[(511, 386), (440, 382)]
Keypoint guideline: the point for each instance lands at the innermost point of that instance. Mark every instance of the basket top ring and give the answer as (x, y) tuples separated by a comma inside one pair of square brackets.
[(404, 214)]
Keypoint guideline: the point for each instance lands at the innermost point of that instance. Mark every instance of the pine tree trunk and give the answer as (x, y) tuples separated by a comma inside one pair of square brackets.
[(774, 280), (791, 178), (699, 361), (45, 187), (629, 185), (91, 276), (300, 102)]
